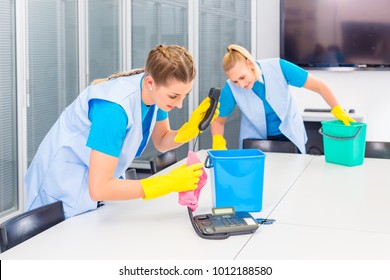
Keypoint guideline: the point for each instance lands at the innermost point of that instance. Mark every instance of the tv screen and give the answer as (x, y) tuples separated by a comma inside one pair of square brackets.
[(336, 33)]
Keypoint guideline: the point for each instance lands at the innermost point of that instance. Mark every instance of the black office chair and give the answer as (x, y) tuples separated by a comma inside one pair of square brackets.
[(162, 161), (131, 173), (377, 150), (270, 145), (26, 225)]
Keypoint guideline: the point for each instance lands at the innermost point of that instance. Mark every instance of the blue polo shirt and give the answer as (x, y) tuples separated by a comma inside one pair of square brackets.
[(109, 122), (294, 75)]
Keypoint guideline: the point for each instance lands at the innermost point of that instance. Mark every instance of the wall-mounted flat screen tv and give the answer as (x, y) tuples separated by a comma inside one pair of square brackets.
[(336, 33)]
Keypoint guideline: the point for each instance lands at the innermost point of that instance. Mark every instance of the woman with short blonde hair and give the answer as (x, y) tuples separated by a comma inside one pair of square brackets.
[(260, 88)]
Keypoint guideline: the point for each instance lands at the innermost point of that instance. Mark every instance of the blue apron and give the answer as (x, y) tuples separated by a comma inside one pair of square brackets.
[(59, 170), (253, 121)]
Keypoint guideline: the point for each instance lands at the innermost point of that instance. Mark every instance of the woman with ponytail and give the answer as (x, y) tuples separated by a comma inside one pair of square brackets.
[(83, 158)]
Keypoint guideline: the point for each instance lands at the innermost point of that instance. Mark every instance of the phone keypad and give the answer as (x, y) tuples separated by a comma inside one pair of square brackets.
[(230, 222)]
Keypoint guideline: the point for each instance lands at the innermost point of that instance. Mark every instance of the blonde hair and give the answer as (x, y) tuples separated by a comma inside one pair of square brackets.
[(164, 63), (235, 54)]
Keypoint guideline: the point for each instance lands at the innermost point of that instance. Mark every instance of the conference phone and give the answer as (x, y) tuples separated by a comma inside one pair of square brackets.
[(222, 223)]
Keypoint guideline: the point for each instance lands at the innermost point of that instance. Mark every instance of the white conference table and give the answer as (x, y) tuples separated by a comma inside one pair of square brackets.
[(331, 212), (297, 193)]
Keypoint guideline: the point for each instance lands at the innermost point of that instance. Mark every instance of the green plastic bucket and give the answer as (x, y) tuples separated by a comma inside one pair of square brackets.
[(343, 144), (237, 178)]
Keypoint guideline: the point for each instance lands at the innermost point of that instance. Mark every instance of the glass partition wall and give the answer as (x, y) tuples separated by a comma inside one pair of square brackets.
[(68, 44)]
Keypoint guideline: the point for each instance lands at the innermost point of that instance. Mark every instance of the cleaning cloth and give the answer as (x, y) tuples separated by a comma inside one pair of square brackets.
[(190, 198)]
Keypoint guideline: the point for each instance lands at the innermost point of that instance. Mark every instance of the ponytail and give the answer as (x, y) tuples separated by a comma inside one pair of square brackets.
[(117, 75)]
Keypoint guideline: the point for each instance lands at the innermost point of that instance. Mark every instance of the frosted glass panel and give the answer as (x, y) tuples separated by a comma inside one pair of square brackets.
[(8, 125), (104, 42), (52, 65)]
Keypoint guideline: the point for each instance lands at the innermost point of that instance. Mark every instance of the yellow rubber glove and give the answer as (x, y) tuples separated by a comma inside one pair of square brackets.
[(190, 129), (340, 114), (219, 143), (181, 179)]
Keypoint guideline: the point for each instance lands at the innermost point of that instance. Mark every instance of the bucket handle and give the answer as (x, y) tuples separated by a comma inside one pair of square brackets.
[(339, 137), (208, 163)]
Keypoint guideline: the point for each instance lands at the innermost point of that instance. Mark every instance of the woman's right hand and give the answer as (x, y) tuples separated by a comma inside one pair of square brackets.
[(191, 128)]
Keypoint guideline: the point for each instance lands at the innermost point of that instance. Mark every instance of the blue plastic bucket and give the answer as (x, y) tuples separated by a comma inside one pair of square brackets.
[(237, 178), (344, 145)]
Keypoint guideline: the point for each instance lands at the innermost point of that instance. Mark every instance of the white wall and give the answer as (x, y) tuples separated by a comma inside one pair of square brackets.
[(366, 91)]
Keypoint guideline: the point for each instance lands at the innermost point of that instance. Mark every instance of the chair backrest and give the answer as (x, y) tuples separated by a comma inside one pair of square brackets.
[(162, 161), (377, 149), (131, 173), (270, 145), (28, 224)]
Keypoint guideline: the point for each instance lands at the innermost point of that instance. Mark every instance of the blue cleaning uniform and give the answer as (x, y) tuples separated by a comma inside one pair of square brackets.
[(59, 170), (268, 108), (109, 122)]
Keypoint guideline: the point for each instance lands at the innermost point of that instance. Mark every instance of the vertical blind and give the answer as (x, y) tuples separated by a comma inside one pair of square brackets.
[(8, 127), (221, 23), (104, 41), (53, 81)]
